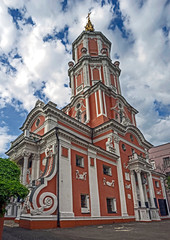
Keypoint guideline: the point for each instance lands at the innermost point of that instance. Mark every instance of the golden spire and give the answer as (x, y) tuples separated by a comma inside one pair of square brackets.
[(89, 26)]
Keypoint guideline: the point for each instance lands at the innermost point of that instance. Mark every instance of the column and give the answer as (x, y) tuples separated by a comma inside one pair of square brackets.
[(72, 84), (85, 44), (101, 102), (87, 109), (106, 73), (145, 193), (65, 181), (99, 44), (120, 177), (164, 193), (151, 191), (35, 166), (25, 167), (142, 199), (118, 84), (136, 205)]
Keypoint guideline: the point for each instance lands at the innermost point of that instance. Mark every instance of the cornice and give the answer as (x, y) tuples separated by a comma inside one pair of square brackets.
[(83, 143), (93, 60), (121, 129), (34, 112), (95, 33), (61, 116)]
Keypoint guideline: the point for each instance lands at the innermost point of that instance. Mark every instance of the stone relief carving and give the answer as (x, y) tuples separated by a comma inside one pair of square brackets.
[(107, 183), (109, 145), (81, 176), (47, 201), (128, 186), (116, 138)]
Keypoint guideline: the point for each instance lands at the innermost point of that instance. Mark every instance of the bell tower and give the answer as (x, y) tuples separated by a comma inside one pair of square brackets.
[(94, 80)]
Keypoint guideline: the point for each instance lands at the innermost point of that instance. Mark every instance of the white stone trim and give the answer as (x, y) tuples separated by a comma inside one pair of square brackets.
[(120, 181), (87, 109), (98, 157), (65, 181), (101, 102), (97, 112), (92, 67), (99, 45), (93, 185), (121, 139), (75, 133), (104, 100)]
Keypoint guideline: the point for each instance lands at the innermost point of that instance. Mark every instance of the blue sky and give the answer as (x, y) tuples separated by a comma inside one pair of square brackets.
[(35, 48)]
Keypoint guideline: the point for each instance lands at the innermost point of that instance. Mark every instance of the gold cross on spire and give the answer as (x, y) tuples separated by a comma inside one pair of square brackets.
[(89, 26)]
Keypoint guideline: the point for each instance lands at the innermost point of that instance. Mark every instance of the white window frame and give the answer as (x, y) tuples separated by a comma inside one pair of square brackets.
[(156, 184), (113, 205), (86, 207), (81, 160), (109, 173)]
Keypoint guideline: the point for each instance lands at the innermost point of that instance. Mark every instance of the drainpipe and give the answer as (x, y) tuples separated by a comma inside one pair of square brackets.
[(58, 154)]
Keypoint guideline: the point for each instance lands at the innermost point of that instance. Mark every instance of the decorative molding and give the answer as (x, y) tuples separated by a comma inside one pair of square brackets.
[(109, 145), (107, 183), (128, 186), (81, 176)]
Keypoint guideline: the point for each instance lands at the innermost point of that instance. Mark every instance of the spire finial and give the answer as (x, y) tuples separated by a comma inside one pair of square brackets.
[(89, 25)]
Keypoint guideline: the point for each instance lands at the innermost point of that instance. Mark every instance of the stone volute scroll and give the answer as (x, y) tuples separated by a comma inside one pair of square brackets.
[(44, 202)]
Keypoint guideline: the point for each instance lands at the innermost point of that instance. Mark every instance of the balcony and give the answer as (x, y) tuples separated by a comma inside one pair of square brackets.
[(136, 160)]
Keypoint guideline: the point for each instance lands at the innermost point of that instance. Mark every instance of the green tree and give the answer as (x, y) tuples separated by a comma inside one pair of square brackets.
[(168, 182), (10, 185)]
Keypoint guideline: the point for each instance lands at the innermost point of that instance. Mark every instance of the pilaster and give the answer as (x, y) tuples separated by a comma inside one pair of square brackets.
[(26, 156), (142, 199), (134, 190), (120, 177), (93, 185)]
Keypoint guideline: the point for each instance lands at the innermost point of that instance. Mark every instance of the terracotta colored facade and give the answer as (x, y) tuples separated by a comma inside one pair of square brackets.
[(87, 163)]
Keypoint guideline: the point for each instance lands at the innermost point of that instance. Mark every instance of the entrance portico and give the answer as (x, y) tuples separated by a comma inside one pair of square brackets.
[(142, 187)]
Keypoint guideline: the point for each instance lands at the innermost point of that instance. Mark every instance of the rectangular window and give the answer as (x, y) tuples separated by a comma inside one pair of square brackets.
[(85, 203), (107, 170), (156, 184), (79, 161), (111, 205), (166, 162)]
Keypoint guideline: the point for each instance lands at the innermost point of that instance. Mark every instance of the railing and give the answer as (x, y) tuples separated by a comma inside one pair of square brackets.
[(32, 136), (136, 157)]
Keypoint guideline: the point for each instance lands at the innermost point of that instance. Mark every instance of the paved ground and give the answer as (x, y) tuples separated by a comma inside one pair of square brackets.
[(118, 231)]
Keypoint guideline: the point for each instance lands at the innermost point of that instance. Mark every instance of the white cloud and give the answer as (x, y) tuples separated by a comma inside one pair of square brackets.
[(144, 55), (5, 138)]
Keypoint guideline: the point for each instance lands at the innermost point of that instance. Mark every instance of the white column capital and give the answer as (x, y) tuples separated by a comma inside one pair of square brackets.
[(26, 153)]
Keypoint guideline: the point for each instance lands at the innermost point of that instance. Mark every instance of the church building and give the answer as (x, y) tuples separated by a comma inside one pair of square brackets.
[(88, 163)]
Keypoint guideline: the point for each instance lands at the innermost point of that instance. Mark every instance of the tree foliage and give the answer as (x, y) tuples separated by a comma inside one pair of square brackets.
[(10, 185), (168, 182)]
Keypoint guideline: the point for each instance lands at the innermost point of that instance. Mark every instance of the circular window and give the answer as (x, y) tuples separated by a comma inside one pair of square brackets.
[(37, 122), (123, 147), (120, 105), (78, 105), (131, 137)]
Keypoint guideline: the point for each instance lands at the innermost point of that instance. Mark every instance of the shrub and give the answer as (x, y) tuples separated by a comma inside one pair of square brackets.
[(10, 185)]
